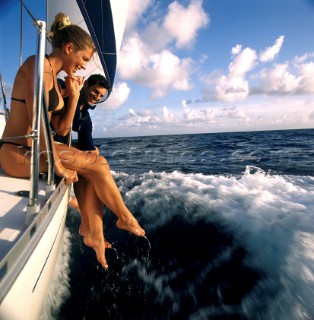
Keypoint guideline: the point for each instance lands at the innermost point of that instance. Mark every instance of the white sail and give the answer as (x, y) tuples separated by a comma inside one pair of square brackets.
[(119, 10)]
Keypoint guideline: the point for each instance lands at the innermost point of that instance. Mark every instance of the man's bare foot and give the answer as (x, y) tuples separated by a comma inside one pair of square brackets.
[(132, 226), (84, 229), (74, 203)]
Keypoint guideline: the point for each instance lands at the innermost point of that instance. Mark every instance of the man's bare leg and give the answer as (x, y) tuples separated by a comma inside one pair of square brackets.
[(82, 192), (79, 191), (94, 238)]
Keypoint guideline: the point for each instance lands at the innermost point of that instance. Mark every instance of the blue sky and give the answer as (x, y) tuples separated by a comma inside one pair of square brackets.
[(199, 66)]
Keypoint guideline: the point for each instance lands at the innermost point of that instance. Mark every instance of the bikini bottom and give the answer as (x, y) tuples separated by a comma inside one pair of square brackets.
[(15, 144)]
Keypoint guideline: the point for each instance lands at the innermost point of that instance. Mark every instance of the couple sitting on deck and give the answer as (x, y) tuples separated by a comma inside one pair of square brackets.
[(94, 185), (94, 89)]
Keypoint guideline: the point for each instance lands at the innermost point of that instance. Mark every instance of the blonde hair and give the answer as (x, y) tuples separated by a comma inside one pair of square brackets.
[(63, 32)]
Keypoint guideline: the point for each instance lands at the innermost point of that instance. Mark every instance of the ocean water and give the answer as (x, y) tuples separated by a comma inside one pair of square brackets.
[(230, 223)]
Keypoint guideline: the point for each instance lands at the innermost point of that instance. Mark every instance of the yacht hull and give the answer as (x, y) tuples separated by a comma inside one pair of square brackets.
[(26, 281)]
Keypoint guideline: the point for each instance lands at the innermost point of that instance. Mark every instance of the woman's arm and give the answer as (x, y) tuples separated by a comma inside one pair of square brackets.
[(60, 170), (27, 86), (62, 123)]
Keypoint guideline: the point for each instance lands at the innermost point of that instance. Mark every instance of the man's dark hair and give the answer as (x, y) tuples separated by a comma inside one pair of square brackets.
[(98, 79)]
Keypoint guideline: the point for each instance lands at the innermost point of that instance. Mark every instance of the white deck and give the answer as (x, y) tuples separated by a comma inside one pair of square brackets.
[(28, 251), (2, 122), (13, 208)]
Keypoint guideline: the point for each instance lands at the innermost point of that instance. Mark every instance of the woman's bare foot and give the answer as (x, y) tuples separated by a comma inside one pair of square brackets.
[(84, 231), (99, 246), (132, 226), (90, 243)]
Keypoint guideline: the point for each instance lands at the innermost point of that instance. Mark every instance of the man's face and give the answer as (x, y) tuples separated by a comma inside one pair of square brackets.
[(95, 93)]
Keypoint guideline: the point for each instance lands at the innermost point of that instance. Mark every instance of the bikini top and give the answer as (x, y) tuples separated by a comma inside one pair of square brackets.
[(53, 98)]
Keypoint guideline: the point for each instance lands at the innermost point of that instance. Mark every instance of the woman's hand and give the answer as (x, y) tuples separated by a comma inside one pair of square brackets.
[(69, 174), (73, 84)]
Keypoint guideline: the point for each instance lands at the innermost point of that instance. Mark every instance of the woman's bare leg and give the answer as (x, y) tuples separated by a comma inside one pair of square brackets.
[(101, 185), (15, 161), (96, 170), (11, 154)]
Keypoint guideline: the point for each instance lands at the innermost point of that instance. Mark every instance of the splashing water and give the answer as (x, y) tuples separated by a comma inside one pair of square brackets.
[(60, 287), (219, 246)]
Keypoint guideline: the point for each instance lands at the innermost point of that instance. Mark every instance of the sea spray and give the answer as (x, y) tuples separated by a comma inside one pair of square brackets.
[(263, 214), (59, 289), (237, 246)]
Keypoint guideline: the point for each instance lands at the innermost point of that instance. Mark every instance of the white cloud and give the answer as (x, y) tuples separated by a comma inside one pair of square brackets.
[(169, 72), (143, 119), (153, 63), (231, 89), (239, 114), (183, 22), (306, 78), (279, 80), (136, 9), (282, 113), (149, 57), (132, 59), (155, 31), (167, 115), (118, 96), (233, 86), (302, 59), (271, 52), (243, 62), (282, 79), (207, 115), (293, 78), (162, 71), (236, 50)]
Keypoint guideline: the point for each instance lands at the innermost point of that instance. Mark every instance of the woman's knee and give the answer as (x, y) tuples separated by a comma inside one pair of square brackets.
[(103, 165), (93, 160), (81, 160), (14, 163), (97, 166)]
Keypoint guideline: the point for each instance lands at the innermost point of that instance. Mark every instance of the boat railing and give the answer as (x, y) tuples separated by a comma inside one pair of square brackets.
[(5, 107), (40, 112)]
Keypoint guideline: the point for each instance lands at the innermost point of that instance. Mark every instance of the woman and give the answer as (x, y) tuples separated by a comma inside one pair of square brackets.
[(72, 49)]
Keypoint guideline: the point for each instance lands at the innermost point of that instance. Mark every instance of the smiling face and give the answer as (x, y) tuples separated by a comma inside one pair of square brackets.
[(76, 60), (94, 93)]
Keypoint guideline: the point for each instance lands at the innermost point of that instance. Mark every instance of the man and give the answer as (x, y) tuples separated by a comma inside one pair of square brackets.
[(94, 89)]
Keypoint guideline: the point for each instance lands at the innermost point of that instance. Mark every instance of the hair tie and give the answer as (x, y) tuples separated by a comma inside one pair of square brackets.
[(65, 22)]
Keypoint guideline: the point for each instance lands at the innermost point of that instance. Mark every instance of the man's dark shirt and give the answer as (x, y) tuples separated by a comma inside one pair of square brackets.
[(82, 124)]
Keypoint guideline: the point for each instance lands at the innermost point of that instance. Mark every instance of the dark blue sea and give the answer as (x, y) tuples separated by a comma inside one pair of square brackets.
[(230, 223)]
